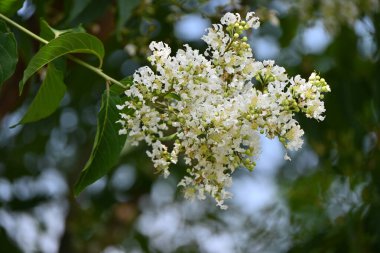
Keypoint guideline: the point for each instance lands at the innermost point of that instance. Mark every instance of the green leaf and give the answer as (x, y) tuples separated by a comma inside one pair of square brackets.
[(173, 96), (49, 33), (77, 8), (65, 44), (125, 8), (117, 90), (9, 7), (107, 145), (289, 26), (8, 53), (84, 11), (48, 97)]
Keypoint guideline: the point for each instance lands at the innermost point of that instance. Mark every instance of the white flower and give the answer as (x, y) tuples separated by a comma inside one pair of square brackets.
[(230, 18), (209, 106), (252, 20)]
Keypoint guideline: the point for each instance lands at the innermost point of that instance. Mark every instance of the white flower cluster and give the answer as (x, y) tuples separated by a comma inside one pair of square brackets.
[(211, 107)]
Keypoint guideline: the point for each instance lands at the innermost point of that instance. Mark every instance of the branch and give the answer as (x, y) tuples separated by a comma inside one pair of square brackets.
[(98, 71)]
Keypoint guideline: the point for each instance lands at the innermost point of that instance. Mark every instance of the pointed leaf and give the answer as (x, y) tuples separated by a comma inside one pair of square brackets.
[(49, 33), (46, 31), (8, 53), (65, 44), (107, 145), (48, 97)]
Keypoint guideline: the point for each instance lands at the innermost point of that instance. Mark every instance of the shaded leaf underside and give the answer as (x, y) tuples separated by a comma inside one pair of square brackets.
[(48, 97), (107, 145)]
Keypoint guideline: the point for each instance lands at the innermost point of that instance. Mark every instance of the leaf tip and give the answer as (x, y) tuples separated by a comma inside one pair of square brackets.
[(80, 185), (77, 190), (20, 87)]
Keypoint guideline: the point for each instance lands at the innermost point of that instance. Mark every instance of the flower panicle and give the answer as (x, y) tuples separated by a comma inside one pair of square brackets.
[(214, 106)]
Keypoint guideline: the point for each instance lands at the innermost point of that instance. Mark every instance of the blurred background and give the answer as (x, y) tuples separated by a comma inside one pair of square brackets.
[(327, 199)]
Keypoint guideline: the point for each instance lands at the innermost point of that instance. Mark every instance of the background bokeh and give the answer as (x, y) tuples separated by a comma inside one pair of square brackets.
[(327, 199)]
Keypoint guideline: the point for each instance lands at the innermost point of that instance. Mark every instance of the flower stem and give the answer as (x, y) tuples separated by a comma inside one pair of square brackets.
[(168, 138), (98, 71)]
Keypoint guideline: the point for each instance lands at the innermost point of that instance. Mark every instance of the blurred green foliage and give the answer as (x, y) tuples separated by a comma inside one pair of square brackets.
[(333, 206)]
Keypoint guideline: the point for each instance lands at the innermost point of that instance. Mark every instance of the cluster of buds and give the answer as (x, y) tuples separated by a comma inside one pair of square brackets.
[(211, 108)]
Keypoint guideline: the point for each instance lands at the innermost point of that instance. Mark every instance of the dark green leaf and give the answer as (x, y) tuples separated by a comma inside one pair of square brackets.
[(86, 12), (7, 244), (107, 145), (289, 26), (77, 8), (49, 33), (48, 97), (3, 27), (125, 8), (9, 7), (117, 90), (64, 44), (8, 53)]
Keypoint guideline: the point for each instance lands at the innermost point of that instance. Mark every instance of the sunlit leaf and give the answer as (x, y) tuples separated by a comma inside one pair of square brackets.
[(9, 7), (64, 44), (8, 53), (107, 145), (48, 97)]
